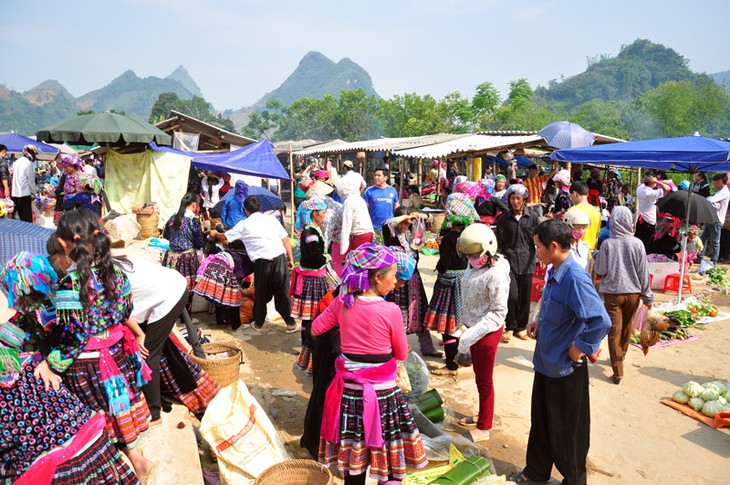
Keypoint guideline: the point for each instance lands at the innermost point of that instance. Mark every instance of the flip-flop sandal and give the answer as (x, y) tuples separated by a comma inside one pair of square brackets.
[(297, 328), (467, 422)]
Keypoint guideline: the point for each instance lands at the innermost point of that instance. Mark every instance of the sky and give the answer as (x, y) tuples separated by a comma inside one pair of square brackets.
[(238, 50)]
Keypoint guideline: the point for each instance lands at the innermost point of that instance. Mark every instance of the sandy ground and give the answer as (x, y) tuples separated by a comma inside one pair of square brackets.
[(634, 438)]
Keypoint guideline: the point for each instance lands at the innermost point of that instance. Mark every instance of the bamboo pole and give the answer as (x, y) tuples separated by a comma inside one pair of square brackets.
[(420, 175), (291, 185)]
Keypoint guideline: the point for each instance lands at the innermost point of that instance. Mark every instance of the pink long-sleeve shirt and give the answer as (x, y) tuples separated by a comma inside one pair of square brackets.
[(369, 327)]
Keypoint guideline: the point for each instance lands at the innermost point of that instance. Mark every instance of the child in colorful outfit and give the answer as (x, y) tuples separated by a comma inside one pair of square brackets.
[(186, 240), (50, 436), (97, 356), (411, 298), (309, 281), (444, 312), (366, 419)]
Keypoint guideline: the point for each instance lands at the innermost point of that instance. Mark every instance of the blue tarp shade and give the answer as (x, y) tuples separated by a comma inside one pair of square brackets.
[(522, 162), (15, 143), (257, 159), (18, 236), (688, 153)]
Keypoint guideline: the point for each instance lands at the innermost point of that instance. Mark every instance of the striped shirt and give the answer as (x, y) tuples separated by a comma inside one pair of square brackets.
[(535, 188)]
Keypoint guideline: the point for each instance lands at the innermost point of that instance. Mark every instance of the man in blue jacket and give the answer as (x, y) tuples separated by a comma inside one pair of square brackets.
[(572, 323)]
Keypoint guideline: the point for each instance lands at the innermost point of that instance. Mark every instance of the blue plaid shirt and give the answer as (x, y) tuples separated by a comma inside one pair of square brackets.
[(571, 312)]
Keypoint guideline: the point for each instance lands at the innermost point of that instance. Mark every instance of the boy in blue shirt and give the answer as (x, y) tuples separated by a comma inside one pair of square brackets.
[(382, 200), (571, 325)]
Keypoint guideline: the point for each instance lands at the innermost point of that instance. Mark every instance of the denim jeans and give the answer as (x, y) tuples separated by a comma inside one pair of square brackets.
[(711, 233)]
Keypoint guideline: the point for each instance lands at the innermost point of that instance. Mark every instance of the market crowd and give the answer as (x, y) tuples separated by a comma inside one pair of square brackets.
[(89, 351)]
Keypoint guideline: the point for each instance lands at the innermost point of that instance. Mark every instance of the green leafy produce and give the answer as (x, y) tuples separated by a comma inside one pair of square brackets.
[(718, 277), (692, 389), (680, 397), (696, 403), (684, 318), (711, 408)]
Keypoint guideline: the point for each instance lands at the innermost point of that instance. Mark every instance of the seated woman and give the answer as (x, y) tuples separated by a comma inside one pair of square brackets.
[(54, 438)]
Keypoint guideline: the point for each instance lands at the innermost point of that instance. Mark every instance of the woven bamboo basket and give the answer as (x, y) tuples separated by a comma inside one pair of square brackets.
[(296, 472), (221, 363), (149, 224), (438, 220)]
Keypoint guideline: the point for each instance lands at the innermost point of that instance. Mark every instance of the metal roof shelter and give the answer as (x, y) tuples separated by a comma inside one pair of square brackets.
[(212, 138)]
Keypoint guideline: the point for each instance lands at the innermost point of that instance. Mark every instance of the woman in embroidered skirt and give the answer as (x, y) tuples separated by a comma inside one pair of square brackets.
[(485, 290), (444, 311), (186, 241), (91, 346), (366, 421), (50, 436), (411, 298), (309, 279)]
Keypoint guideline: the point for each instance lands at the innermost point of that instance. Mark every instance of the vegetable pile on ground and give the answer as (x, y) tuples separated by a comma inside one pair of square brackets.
[(709, 398), (432, 244), (703, 309), (679, 323), (718, 277)]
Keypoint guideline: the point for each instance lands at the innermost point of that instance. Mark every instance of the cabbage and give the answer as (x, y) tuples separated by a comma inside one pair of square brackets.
[(711, 408), (717, 386), (709, 394), (722, 400), (680, 397), (692, 389), (696, 403)]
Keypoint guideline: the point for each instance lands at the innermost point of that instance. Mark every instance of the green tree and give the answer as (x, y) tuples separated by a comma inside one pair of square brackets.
[(165, 103), (605, 117), (524, 111), (196, 107), (355, 117), (408, 115), (455, 114), (484, 103)]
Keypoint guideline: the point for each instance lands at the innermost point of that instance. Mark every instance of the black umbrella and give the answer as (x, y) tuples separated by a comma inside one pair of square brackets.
[(687, 205)]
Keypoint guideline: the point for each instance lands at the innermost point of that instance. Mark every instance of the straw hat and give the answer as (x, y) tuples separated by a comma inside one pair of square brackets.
[(321, 188), (5, 312)]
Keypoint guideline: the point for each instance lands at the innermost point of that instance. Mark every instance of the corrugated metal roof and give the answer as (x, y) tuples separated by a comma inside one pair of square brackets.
[(378, 145), (471, 144)]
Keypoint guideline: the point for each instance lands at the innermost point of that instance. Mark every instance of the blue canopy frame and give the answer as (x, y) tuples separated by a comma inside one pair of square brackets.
[(15, 143)]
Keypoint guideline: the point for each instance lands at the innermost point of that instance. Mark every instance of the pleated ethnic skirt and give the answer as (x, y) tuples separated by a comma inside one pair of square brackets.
[(83, 378), (402, 447), (184, 262), (314, 288), (218, 282), (442, 311)]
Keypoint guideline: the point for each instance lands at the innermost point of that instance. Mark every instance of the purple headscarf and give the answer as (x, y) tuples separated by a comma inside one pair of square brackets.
[(358, 263), (240, 191)]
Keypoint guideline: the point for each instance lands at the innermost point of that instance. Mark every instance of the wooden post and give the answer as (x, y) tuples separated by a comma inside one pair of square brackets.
[(291, 184), (438, 185), (420, 175), (636, 202)]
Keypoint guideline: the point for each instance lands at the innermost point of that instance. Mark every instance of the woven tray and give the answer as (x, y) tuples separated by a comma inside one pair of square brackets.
[(221, 363), (296, 472), (148, 223)]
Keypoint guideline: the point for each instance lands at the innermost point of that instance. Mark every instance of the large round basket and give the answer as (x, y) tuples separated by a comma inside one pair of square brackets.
[(296, 472), (221, 363), (148, 223), (438, 221)]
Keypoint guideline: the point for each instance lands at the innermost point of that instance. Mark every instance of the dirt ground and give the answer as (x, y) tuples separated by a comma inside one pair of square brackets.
[(634, 438)]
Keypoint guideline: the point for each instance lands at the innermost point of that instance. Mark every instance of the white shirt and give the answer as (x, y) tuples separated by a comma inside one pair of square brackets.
[(23, 178), (210, 196), (352, 175), (355, 220), (262, 235), (719, 202), (646, 198), (90, 169), (155, 289)]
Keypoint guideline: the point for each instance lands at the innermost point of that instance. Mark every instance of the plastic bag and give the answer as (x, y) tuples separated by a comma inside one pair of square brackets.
[(417, 374), (402, 380), (705, 266), (241, 435), (418, 234), (640, 318)]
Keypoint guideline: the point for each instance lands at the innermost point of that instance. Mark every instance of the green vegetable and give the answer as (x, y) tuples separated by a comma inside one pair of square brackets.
[(696, 403), (684, 318), (692, 389), (718, 277), (717, 386), (711, 408), (709, 395), (680, 397)]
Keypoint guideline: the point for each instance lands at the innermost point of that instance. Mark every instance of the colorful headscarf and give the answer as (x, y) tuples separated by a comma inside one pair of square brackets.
[(304, 211), (472, 189), (562, 177), (487, 186), (667, 224), (358, 263), (459, 210), (26, 272), (71, 161), (240, 191), (92, 181), (405, 264), (500, 177), (694, 228)]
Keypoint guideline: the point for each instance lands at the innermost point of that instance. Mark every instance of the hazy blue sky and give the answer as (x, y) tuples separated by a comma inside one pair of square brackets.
[(237, 50)]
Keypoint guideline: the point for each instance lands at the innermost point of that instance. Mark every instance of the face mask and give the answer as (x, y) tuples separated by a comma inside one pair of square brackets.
[(477, 262), (578, 233)]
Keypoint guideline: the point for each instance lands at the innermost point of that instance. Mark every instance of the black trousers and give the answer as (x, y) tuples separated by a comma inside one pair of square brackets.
[(645, 232), (518, 304), (23, 208), (156, 334), (271, 278), (560, 431)]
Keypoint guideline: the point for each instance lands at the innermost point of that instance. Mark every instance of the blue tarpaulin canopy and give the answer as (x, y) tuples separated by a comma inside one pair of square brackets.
[(21, 236), (15, 143), (688, 153), (257, 159)]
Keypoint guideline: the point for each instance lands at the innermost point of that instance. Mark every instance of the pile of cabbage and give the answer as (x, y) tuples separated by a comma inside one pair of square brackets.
[(710, 398)]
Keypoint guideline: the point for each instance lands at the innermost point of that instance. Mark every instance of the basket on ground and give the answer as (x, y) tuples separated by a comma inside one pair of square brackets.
[(148, 223), (296, 472), (221, 363)]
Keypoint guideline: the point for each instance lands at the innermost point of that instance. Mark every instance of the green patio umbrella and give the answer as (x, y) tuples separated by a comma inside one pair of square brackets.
[(103, 128)]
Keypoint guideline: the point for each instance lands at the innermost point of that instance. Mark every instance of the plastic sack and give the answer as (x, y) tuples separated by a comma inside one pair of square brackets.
[(417, 374), (418, 234), (705, 266), (402, 380), (157, 243), (640, 318), (241, 435)]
